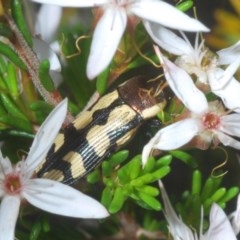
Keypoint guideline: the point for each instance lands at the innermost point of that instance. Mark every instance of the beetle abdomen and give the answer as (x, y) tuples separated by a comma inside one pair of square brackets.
[(98, 132)]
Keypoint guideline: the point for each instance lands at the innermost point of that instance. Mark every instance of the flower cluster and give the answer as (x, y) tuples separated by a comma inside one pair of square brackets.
[(197, 71)]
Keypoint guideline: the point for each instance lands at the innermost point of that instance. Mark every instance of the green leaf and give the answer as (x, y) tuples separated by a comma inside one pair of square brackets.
[(134, 167), (36, 230), (160, 173), (218, 194), (107, 196), (118, 157), (16, 133), (106, 168), (149, 190), (149, 166), (102, 80), (230, 194), (43, 73), (12, 80), (46, 227), (164, 161), (145, 179), (19, 123), (11, 55), (118, 200), (185, 6), (11, 108), (41, 106), (150, 201), (93, 177), (185, 157), (17, 13), (196, 182), (207, 189)]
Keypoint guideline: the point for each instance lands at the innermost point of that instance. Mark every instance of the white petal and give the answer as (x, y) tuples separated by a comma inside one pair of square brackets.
[(235, 217), (46, 27), (166, 15), (45, 135), (220, 227), (167, 39), (228, 91), (9, 209), (176, 227), (229, 55), (73, 3), (172, 137), (227, 140), (61, 199), (106, 38), (184, 88), (177, 134), (5, 165), (231, 69), (231, 124), (44, 52)]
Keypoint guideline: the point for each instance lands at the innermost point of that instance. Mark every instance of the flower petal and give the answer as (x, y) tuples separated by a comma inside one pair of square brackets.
[(183, 86), (227, 140), (5, 165), (45, 135), (43, 26), (228, 91), (167, 39), (166, 15), (172, 137), (61, 199), (44, 52), (231, 124), (73, 3), (220, 227), (229, 55), (235, 217), (9, 209), (177, 228), (106, 38)]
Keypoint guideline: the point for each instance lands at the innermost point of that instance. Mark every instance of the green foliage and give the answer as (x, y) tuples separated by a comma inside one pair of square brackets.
[(131, 181), (204, 194), (11, 55), (44, 76), (184, 5), (18, 15)]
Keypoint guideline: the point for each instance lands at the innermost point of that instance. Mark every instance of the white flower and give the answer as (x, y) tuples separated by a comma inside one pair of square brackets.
[(219, 228), (113, 22), (18, 183), (201, 62), (205, 121), (197, 59)]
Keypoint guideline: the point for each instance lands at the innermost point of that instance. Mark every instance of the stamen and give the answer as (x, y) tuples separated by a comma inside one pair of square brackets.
[(211, 121), (12, 184)]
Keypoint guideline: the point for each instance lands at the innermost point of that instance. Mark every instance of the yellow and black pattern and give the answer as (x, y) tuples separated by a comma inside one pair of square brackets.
[(98, 132)]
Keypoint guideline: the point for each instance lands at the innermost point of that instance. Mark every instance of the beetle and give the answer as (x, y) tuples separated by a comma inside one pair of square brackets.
[(103, 129)]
